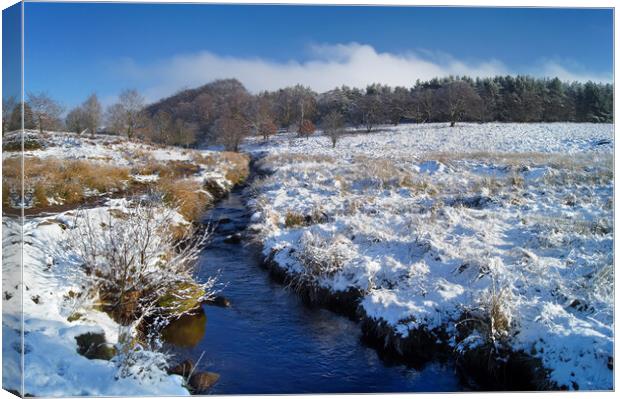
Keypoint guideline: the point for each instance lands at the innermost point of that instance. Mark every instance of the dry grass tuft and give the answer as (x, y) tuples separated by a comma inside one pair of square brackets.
[(169, 169), (187, 195), (66, 181), (294, 219)]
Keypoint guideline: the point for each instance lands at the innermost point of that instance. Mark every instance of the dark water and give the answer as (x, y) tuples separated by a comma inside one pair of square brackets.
[(268, 341)]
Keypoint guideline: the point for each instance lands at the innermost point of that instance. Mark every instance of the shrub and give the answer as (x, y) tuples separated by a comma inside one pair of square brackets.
[(294, 219), (135, 265), (320, 256), (490, 321), (306, 128)]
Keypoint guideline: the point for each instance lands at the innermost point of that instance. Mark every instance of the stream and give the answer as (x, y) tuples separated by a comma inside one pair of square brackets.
[(269, 342)]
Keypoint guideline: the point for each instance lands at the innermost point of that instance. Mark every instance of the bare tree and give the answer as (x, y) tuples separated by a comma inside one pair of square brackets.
[(92, 113), (305, 99), (233, 123), (15, 121), (306, 128), (76, 120), (185, 133), (230, 130), (333, 124), (457, 99), (284, 102), (262, 117), (126, 115), (370, 108), (424, 104), (159, 127), (397, 103), (45, 110), (8, 105)]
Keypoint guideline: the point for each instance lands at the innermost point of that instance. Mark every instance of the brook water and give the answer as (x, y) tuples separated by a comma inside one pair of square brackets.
[(269, 341)]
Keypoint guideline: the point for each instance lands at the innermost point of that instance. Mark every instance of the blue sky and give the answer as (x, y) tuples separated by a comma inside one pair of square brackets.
[(72, 50)]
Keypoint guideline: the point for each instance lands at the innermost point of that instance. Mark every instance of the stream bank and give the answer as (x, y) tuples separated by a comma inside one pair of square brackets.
[(270, 341)]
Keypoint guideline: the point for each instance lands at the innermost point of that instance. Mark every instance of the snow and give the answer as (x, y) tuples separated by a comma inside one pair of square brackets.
[(106, 149), (431, 221), (53, 366)]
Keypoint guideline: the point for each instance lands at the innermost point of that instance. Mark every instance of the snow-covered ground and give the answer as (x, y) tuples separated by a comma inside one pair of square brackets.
[(52, 364), (102, 148), (510, 225), (53, 317)]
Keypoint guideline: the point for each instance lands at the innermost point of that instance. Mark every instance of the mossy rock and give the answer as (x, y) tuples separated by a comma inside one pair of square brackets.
[(94, 346), (183, 298), (74, 317)]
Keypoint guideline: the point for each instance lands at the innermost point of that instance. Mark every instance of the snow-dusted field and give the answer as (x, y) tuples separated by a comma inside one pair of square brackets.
[(505, 229), (116, 151), (53, 366)]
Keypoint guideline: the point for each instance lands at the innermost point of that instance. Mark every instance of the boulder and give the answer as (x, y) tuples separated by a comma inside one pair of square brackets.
[(233, 238), (200, 382), (183, 369), (93, 346), (218, 300)]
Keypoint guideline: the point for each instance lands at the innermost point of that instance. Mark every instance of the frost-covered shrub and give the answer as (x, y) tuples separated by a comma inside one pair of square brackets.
[(136, 361), (132, 260), (489, 323), (321, 255)]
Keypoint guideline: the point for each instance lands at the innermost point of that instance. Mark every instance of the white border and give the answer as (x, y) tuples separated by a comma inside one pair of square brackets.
[(467, 3)]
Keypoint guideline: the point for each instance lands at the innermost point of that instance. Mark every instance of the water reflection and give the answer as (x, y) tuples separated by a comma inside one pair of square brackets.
[(186, 331)]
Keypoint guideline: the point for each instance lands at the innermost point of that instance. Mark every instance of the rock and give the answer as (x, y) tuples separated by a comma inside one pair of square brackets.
[(214, 188), (183, 368), (200, 382), (93, 346), (603, 142), (233, 238), (219, 300), (224, 221), (181, 299)]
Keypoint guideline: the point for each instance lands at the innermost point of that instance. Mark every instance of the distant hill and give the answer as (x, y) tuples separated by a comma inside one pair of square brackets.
[(200, 106)]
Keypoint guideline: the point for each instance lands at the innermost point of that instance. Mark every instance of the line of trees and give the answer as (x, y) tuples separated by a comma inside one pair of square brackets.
[(224, 111)]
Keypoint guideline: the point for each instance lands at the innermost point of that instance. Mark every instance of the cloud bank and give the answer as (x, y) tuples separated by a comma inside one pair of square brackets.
[(329, 66)]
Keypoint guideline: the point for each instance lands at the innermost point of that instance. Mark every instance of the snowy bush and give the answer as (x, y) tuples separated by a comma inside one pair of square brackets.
[(134, 259), (137, 361), (321, 255)]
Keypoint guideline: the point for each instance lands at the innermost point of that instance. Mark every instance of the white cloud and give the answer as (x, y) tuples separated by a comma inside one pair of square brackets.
[(554, 69), (329, 66)]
